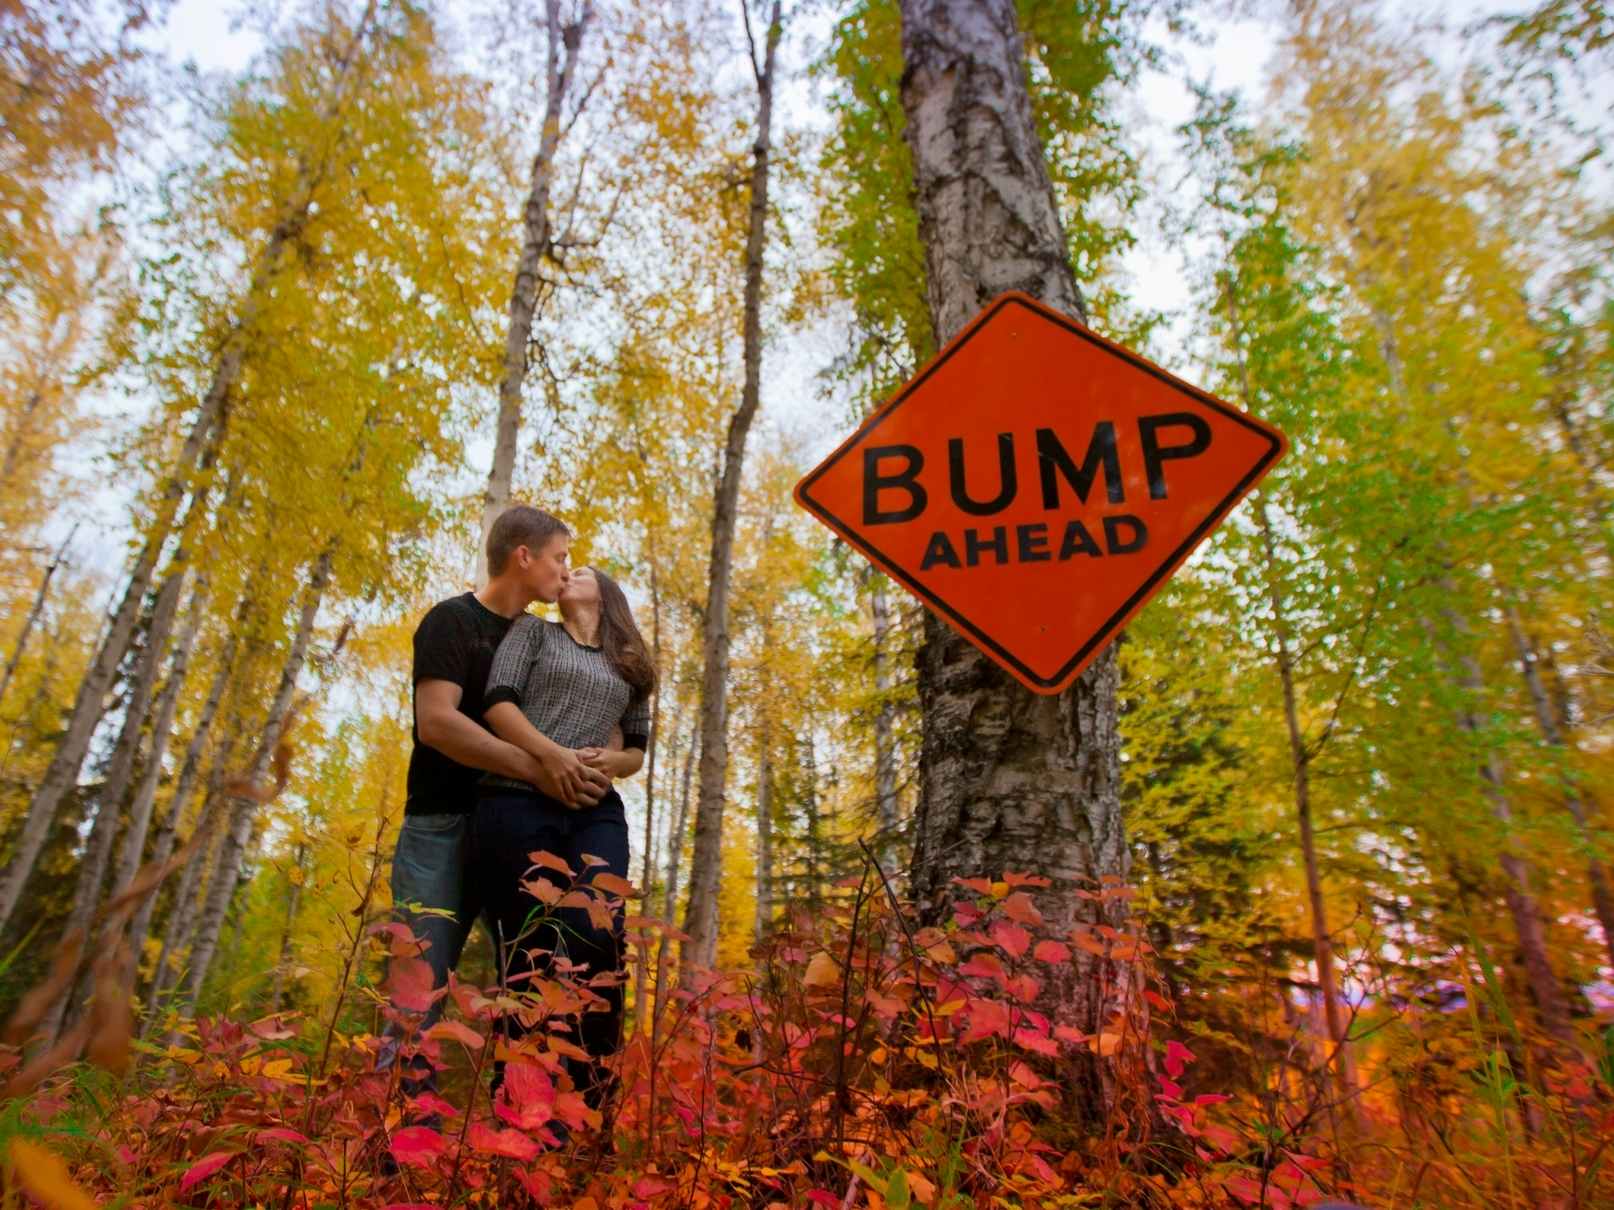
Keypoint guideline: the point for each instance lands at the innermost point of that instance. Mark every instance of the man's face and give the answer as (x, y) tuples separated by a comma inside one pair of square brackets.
[(544, 571)]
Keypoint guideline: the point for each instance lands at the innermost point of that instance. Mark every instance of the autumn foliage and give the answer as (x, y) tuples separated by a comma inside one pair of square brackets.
[(863, 1061)]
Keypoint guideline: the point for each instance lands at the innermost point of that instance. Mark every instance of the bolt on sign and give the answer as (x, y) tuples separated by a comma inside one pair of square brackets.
[(1036, 484)]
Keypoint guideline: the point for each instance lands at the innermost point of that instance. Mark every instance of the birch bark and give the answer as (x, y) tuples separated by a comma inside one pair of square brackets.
[(564, 43), (700, 918), (243, 806), (1009, 781)]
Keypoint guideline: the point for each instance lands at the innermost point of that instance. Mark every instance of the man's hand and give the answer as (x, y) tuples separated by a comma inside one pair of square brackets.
[(574, 782), (534, 771)]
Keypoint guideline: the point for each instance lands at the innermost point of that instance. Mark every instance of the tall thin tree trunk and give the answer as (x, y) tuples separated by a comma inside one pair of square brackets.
[(114, 789), (700, 919), (34, 611), (180, 930), (764, 829), (812, 834), (89, 706), (885, 756), (293, 900), (204, 435), (145, 796), (243, 806), (564, 42), (1553, 735), (1342, 1060), (1528, 926), (168, 826), (675, 848), (1009, 781), (640, 1008)]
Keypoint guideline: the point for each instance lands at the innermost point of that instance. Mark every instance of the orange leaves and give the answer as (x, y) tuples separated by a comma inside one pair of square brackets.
[(1018, 907), (1010, 938), (612, 884), (456, 1031), (44, 1177), (512, 1144), (822, 971), (875, 1041), (527, 1097), (549, 861)]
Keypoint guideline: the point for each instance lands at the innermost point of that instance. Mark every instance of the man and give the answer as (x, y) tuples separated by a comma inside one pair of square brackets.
[(527, 554)]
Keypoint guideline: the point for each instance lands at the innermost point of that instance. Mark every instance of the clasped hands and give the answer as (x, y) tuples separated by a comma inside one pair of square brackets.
[(578, 777)]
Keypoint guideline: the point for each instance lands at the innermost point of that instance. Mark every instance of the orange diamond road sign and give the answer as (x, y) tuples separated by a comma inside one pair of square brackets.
[(1036, 484)]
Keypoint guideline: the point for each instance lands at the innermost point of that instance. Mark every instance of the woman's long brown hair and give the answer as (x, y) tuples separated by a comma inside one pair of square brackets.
[(624, 646)]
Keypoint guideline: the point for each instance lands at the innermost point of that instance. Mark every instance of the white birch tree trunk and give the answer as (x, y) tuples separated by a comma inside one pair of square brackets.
[(109, 801), (138, 826), (168, 826), (564, 43), (243, 806), (706, 863), (1009, 781)]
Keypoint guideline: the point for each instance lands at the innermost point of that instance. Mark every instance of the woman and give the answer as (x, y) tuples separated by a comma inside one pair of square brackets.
[(570, 683)]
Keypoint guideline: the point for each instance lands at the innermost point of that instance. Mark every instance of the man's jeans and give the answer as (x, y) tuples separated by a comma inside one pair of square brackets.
[(428, 871)]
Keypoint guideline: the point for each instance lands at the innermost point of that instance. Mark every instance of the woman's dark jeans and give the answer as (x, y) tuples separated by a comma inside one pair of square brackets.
[(508, 827)]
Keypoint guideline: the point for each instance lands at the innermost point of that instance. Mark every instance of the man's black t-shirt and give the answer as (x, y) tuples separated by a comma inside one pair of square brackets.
[(455, 642)]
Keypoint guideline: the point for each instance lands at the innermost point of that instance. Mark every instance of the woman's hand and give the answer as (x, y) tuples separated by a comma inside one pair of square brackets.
[(613, 762)]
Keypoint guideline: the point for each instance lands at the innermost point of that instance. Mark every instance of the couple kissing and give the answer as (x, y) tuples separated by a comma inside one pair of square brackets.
[(521, 726)]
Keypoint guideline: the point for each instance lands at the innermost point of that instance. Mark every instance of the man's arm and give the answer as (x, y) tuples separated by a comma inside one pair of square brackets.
[(443, 727), (578, 784)]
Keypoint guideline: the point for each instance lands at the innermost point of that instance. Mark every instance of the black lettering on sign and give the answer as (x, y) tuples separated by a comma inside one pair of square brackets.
[(1077, 542), (938, 550), (905, 480), (1031, 543), (1054, 460), (998, 544), (1155, 454), (1006, 477), (1127, 545)]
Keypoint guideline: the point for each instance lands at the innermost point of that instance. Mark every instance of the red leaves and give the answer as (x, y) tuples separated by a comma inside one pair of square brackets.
[(986, 1019), (1010, 938), (205, 1168), (409, 983), (1019, 907), (1042, 1044), (527, 1098), (281, 1134), (983, 965), (928, 1040), (419, 1146), (510, 1143), (1051, 952)]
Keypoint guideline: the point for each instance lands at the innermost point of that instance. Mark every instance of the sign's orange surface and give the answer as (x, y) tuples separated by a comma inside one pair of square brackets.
[(1036, 484)]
